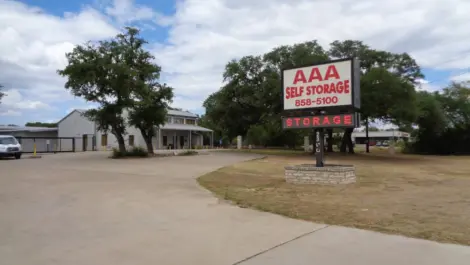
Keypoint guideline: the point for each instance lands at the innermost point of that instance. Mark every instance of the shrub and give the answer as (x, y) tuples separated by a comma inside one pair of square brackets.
[(188, 153), (136, 151), (406, 147), (117, 153)]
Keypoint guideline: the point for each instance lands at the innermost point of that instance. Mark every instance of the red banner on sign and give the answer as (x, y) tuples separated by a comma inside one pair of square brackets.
[(321, 121)]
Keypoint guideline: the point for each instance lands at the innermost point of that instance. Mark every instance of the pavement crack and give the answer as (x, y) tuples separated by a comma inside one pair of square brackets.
[(279, 245)]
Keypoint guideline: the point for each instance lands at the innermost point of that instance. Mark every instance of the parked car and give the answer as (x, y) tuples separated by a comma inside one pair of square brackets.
[(10, 147)]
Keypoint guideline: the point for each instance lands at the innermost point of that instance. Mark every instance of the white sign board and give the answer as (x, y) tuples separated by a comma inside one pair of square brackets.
[(319, 86)]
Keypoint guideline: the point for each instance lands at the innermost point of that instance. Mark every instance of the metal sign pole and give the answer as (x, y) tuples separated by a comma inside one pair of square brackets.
[(319, 146)]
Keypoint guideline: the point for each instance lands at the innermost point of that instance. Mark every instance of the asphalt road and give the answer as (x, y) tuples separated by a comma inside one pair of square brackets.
[(82, 208)]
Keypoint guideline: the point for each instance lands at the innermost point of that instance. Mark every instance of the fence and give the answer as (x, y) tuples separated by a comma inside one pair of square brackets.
[(47, 144)]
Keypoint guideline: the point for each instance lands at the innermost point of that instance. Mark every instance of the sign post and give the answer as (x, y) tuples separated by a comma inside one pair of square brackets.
[(331, 89), (320, 147)]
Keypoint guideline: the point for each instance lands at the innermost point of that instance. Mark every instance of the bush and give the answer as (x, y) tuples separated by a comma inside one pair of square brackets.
[(406, 147), (136, 151), (117, 153), (188, 153)]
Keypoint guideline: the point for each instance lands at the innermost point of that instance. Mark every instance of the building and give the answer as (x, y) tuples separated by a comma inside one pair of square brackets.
[(379, 136), (180, 132), (44, 138)]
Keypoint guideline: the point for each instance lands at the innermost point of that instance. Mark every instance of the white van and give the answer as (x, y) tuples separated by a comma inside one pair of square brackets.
[(10, 147)]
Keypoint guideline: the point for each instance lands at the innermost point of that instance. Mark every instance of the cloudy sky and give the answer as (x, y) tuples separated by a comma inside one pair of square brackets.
[(194, 39)]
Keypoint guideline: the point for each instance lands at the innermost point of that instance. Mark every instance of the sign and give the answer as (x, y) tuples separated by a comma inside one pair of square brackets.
[(331, 84), (322, 121)]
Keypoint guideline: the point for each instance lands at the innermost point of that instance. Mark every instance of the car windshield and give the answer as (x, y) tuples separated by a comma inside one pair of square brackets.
[(8, 140)]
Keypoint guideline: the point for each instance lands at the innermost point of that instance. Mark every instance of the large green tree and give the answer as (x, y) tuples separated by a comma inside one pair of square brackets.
[(251, 100), (443, 123), (98, 72), (387, 84), (149, 98), (119, 75)]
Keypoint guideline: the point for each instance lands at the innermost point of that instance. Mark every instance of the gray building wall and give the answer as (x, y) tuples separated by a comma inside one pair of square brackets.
[(42, 145), (76, 125)]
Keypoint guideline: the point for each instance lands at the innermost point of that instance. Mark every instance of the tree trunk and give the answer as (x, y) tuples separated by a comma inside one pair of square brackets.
[(149, 144), (314, 141), (118, 133), (148, 135), (330, 140), (121, 143), (342, 147), (346, 142), (349, 142)]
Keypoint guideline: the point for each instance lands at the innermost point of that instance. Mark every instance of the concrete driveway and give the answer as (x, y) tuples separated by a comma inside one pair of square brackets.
[(86, 209)]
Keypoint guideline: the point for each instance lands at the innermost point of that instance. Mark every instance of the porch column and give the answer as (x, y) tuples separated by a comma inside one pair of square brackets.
[(212, 139), (190, 146)]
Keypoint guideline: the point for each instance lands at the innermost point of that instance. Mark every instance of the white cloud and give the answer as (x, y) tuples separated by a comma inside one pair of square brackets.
[(205, 34), (461, 77), (425, 85), (33, 47), (10, 113), (126, 11), (14, 99)]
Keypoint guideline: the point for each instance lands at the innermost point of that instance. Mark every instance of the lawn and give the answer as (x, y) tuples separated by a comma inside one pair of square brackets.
[(418, 196)]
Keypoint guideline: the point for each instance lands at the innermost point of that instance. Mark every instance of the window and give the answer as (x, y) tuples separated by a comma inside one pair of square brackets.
[(165, 140), (104, 140), (131, 140), (178, 120), (169, 120), (8, 140), (190, 121)]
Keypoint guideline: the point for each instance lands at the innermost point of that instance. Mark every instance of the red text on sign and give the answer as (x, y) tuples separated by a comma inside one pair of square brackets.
[(320, 121), (339, 87), (315, 74), (317, 101)]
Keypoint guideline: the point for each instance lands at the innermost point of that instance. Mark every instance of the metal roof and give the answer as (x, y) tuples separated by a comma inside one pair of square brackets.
[(184, 127), (25, 129), (181, 113), (382, 134)]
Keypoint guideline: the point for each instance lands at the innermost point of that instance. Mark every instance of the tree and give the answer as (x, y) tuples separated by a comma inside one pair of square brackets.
[(41, 124), (149, 99), (443, 121), (119, 75), (387, 84), (252, 93), (149, 111)]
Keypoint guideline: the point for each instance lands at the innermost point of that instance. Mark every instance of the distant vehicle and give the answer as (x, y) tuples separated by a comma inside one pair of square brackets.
[(10, 147)]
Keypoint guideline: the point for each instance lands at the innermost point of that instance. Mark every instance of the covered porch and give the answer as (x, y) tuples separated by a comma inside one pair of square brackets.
[(182, 136)]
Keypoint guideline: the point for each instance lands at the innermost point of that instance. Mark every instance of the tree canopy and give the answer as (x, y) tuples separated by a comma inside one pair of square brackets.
[(119, 75), (41, 124), (250, 101)]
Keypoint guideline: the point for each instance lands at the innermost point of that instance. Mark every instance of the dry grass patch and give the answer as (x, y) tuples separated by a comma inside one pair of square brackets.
[(424, 197)]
